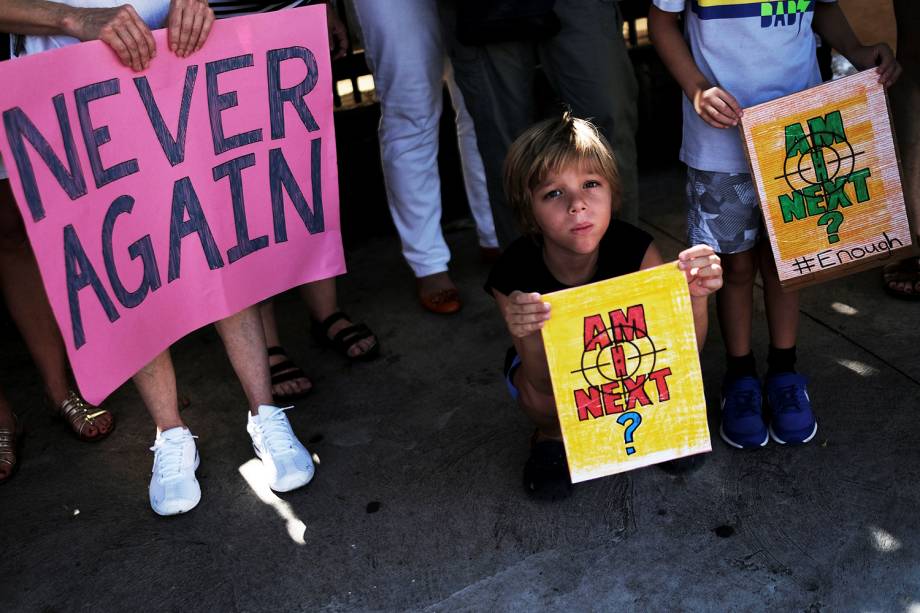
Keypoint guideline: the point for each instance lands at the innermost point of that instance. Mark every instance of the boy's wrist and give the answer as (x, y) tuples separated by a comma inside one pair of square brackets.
[(693, 89)]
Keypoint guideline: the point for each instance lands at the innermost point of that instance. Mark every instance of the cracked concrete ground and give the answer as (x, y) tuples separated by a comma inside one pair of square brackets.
[(418, 503)]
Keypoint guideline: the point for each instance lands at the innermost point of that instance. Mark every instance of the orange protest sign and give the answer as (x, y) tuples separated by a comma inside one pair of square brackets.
[(826, 171)]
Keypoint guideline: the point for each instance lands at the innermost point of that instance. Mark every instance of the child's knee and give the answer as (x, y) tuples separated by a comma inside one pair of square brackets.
[(738, 269)]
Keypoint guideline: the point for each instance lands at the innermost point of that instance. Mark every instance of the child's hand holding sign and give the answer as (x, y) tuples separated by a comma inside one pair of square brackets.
[(703, 269)]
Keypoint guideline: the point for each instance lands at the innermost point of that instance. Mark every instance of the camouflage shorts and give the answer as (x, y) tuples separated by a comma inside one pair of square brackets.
[(722, 211)]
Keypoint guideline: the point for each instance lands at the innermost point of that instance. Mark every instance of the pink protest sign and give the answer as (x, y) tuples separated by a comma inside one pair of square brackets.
[(161, 201)]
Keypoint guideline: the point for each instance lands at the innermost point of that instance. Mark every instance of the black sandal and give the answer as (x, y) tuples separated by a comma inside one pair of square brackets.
[(345, 338), (286, 370)]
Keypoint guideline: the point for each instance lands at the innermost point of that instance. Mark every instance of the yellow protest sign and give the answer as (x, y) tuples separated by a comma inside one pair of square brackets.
[(826, 171), (626, 374)]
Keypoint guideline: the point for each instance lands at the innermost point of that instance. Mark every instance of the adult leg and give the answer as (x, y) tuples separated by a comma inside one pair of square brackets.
[(173, 487), (244, 341), (403, 46), (903, 278), (589, 67), (8, 457), (286, 461), (497, 85), (298, 383), (156, 383), (27, 302), (322, 302), (474, 174)]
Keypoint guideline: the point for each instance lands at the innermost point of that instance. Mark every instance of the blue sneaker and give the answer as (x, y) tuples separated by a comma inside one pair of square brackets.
[(742, 421), (791, 418)]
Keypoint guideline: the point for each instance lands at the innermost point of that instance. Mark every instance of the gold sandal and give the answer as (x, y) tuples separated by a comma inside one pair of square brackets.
[(9, 438), (81, 414)]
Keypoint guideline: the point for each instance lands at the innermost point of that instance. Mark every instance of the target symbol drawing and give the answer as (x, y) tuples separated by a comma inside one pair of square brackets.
[(821, 158), (622, 352)]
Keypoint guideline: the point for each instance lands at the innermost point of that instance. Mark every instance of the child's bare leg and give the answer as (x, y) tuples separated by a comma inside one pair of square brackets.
[(782, 307), (735, 301), (539, 406)]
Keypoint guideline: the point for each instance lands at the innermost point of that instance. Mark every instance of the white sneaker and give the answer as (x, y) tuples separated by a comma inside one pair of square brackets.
[(287, 462), (173, 486)]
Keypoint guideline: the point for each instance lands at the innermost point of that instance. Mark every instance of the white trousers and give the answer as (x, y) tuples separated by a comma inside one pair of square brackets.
[(405, 50)]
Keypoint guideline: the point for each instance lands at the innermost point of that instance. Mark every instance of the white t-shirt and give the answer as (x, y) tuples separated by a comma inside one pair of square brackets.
[(756, 51), (153, 12)]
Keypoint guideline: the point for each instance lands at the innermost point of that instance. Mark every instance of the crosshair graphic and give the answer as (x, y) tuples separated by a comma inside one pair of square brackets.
[(811, 167), (622, 358)]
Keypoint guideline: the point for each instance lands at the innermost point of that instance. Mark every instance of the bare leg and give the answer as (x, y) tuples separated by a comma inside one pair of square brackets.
[(7, 421), (322, 301), (245, 343), (270, 329), (904, 276), (25, 297), (782, 307), (156, 383), (536, 396), (735, 301)]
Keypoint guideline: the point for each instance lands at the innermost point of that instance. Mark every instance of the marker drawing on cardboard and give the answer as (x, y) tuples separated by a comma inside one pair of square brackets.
[(827, 174), (626, 375), (162, 201)]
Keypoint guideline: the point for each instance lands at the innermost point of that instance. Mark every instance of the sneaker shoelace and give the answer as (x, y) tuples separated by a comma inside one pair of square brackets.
[(746, 402), (787, 399), (277, 435), (169, 459)]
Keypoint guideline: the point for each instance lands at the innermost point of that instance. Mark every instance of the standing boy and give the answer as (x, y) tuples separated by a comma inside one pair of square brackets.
[(735, 54)]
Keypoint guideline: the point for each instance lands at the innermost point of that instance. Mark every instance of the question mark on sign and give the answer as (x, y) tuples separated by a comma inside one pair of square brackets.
[(831, 219), (634, 420)]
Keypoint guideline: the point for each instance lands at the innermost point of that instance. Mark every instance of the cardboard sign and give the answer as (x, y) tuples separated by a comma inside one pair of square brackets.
[(826, 170), (161, 201), (626, 374)]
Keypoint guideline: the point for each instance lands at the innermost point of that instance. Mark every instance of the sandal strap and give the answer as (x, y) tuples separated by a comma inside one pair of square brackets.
[(288, 376), (276, 350), (79, 412), (274, 369), (327, 323), (346, 337)]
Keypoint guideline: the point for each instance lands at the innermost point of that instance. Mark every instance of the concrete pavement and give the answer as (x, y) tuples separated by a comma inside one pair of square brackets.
[(418, 504)]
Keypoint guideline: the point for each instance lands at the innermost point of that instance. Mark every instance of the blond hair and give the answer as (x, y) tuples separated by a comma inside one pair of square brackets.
[(548, 147)]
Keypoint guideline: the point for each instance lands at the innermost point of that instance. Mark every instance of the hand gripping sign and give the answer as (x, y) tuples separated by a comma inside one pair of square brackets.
[(826, 170), (626, 374), (161, 201)]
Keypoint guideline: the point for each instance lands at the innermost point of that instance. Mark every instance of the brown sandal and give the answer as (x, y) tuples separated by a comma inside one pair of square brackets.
[(80, 414), (9, 439)]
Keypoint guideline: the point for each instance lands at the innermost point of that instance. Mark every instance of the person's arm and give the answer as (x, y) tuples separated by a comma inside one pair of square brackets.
[(832, 25), (338, 33), (703, 270), (713, 104), (120, 27), (525, 315)]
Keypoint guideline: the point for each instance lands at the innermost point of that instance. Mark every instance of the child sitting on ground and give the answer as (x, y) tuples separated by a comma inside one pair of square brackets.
[(562, 183), (740, 55)]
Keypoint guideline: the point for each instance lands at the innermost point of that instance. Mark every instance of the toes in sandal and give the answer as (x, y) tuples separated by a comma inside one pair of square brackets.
[(9, 444), (283, 371), (345, 338), (904, 271), (81, 415)]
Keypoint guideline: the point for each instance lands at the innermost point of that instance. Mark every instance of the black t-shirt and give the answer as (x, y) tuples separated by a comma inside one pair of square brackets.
[(521, 266)]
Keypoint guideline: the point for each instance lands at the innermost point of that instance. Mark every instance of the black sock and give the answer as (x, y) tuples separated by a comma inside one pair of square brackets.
[(741, 366), (780, 360)]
